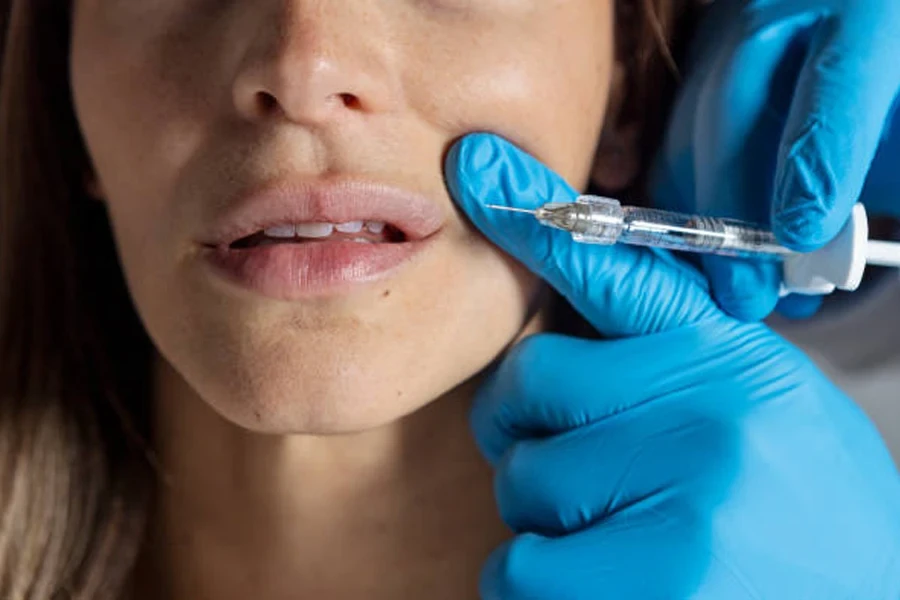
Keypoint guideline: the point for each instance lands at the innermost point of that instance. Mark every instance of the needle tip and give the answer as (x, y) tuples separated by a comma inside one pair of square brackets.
[(510, 209)]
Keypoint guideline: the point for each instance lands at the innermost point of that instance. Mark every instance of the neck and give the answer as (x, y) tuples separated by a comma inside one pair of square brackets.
[(404, 511)]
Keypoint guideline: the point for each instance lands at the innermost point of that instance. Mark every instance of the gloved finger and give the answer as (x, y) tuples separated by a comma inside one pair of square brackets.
[(745, 289), (797, 306), (608, 561), (620, 290), (564, 483), (735, 128), (549, 384), (837, 119)]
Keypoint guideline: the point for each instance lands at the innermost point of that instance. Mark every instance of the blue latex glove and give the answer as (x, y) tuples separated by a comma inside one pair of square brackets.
[(700, 458), (787, 116)]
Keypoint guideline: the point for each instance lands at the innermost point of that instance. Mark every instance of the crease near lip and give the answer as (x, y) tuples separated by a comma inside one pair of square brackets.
[(341, 201)]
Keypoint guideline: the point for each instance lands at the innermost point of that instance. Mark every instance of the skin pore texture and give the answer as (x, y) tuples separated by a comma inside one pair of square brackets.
[(319, 448)]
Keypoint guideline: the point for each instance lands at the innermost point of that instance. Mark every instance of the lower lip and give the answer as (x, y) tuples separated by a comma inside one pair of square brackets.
[(299, 271)]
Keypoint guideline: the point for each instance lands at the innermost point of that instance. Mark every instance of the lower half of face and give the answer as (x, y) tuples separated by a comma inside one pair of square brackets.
[(171, 144), (346, 360)]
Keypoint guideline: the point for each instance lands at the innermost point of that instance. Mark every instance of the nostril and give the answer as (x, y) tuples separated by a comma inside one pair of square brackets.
[(267, 103), (351, 101)]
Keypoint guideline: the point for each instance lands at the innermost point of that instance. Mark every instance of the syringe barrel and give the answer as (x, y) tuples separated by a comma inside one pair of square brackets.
[(604, 221)]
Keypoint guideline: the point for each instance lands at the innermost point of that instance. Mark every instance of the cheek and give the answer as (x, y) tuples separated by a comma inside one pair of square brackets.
[(139, 111), (542, 82)]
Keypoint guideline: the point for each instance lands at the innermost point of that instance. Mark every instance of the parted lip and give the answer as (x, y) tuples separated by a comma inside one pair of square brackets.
[(331, 201)]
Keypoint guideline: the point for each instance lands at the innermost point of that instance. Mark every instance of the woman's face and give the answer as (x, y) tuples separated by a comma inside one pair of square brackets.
[(211, 121)]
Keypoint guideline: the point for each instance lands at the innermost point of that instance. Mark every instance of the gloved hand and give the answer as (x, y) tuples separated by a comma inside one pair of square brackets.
[(701, 457), (785, 118)]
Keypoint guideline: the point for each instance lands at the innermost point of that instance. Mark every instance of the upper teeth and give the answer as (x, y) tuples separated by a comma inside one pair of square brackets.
[(313, 230), (322, 230), (281, 231), (351, 227)]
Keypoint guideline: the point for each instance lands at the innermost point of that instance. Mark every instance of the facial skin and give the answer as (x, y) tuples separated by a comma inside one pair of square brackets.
[(168, 97)]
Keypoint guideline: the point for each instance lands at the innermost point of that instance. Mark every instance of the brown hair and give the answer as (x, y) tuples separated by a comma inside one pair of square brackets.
[(75, 474)]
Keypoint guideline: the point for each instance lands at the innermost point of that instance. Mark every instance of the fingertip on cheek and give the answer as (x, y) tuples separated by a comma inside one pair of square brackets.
[(464, 167)]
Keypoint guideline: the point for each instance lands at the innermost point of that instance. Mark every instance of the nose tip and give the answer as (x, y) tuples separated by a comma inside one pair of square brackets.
[(310, 76)]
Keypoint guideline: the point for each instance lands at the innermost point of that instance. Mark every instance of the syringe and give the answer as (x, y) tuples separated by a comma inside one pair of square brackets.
[(601, 220)]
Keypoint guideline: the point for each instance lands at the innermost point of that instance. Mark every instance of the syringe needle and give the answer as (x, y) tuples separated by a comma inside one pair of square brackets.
[(511, 209)]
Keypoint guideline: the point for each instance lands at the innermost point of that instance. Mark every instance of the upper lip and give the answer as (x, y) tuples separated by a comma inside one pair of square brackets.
[(337, 201)]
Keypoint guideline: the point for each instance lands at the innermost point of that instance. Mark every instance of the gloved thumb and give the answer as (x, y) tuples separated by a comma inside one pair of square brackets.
[(620, 290), (848, 87)]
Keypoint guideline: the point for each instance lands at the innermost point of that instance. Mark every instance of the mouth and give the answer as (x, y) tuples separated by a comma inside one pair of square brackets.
[(319, 210), (296, 241)]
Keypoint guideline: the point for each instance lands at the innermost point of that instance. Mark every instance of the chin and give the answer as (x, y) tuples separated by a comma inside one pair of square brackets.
[(339, 387), (320, 408)]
